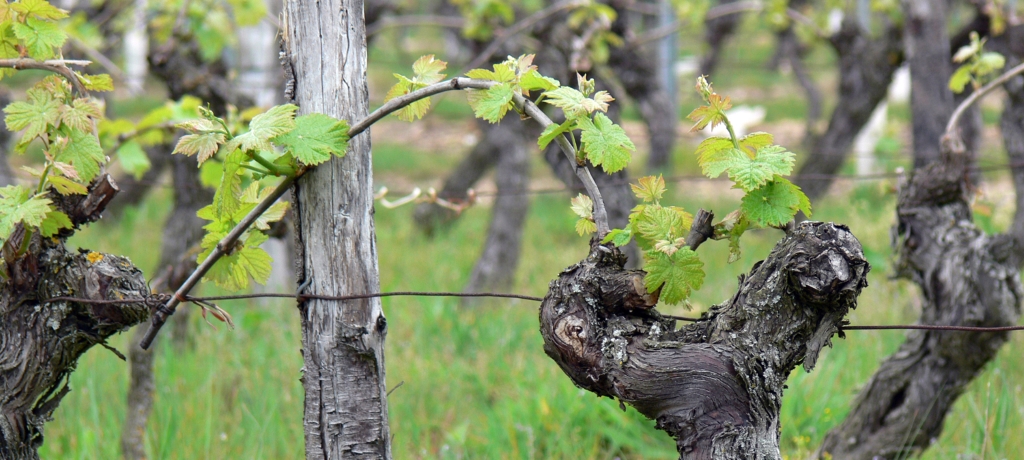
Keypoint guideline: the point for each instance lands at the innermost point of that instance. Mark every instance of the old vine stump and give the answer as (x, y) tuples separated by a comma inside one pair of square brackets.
[(715, 385)]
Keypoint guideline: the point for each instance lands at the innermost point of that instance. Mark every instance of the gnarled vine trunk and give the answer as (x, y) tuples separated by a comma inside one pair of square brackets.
[(40, 341), (715, 385)]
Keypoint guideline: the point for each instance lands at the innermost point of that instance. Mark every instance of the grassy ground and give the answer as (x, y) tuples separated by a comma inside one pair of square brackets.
[(474, 382)]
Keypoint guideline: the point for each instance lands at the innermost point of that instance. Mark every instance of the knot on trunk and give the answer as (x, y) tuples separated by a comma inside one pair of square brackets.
[(715, 385)]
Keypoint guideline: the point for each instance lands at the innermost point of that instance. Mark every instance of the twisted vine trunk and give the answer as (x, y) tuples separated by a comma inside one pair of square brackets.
[(342, 342), (40, 342), (715, 385), (967, 278)]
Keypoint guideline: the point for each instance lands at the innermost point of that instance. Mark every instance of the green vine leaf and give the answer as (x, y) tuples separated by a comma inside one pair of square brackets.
[(34, 116), (38, 8), (272, 123), (649, 189), (54, 222), (552, 131), (605, 143), (41, 37), (712, 114), (427, 71), (677, 275), (80, 114), (82, 150), (315, 138), (233, 271), (775, 204), (19, 205), (491, 104)]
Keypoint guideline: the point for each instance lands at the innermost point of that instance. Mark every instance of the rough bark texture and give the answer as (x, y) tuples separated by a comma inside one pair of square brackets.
[(715, 385), (967, 278), (866, 67), (342, 342), (928, 52), (496, 267), (40, 342), (182, 232)]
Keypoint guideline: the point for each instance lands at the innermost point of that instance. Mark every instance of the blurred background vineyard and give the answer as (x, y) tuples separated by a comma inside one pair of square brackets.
[(471, 379)]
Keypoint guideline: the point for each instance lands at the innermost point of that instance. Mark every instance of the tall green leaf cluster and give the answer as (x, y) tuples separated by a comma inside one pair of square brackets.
[(754, 164), (52, 113), (274, 143)]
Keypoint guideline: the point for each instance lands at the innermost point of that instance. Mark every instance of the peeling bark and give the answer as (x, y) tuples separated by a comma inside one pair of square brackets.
[(715, 385), (41, 342), (345, 409)]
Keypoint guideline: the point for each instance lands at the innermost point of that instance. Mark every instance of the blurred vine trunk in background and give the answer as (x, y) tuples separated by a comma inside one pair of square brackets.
[(716, 32), (171, 62), (182, 234), (866, 67), (345, 410), (6, 174), (967, 278)]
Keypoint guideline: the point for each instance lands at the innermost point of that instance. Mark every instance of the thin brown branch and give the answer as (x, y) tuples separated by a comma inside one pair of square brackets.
[(975, 96), (223, 248), (56, 66), (99, 58), (523, 105)]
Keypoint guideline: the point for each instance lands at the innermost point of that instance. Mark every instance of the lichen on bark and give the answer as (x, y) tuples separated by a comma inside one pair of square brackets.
[(715, 385)]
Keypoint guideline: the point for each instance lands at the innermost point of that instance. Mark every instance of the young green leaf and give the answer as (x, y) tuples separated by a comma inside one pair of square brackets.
[(82, 150), (272, 123), (18, 204), (575, 104), (552, 131), (232, 271), (649, 189), (315, 138), (41, 37), (775, 203), (38, 8), (605, 143), (428, 70), (80, 114), (204, 145), (32, 116), (66, 186), (619, 237), (98, 82), (676, 275), (582, 206), (712, 114), (53, 223), (491, 104)]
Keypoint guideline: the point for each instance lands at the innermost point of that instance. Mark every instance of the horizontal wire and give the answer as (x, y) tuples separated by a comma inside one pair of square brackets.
[(159, 298)]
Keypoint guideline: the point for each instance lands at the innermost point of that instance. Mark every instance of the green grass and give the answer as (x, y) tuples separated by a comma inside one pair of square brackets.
[(475, 382)]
